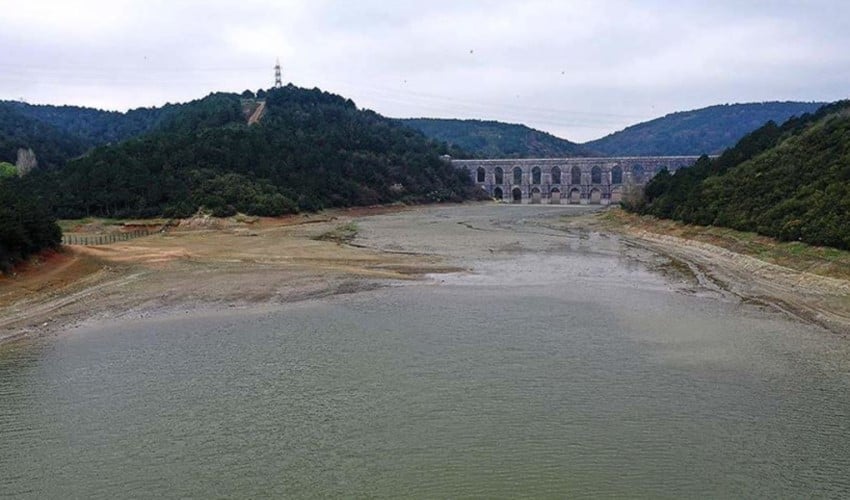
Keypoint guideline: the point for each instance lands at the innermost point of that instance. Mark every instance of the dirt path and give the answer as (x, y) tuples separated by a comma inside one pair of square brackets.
[(257, 114)]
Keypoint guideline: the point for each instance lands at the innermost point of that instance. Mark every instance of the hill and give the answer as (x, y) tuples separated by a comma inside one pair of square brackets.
[(700, 131), (52, 145), (57, 134), (791, 182), (311, 150), (93, 127), (491, 139)]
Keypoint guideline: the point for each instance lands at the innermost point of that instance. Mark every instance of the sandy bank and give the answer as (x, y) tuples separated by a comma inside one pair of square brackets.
[(212, 263), (811, 286)]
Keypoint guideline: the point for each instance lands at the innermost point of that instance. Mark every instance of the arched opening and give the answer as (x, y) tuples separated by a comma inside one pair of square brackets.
[(516, 194), (596, 175), (517, 175), (498, 194), (481, 174), (555, 196), (637, 173), (535, 195), (617, 195), (575, 196), (595, 196), (535, 175), (617, 175), (575, 176), (500, 175), (556, 175)]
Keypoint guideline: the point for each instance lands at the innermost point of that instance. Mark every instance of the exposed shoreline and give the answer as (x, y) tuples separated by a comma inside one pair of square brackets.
[(218, 265), (816, 298)]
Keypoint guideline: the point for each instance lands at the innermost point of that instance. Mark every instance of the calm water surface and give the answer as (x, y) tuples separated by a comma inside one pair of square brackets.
[(569, 373)]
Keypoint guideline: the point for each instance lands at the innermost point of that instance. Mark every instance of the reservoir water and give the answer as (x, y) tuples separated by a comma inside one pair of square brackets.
[(560, 366)]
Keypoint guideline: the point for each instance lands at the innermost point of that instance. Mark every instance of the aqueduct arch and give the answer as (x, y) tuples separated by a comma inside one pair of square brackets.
[(575, 180)]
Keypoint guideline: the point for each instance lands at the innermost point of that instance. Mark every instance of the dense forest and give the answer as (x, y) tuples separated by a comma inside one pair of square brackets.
[(791, 182), (93, 127), (26, 227), (311, 150), (490, 139), (57, 134), (52, 145), (702, 131)]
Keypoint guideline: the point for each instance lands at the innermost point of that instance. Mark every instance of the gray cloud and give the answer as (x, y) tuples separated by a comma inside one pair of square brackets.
[(579, 69)]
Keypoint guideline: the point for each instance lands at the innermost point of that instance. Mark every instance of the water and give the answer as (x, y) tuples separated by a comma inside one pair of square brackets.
[(564, 372)]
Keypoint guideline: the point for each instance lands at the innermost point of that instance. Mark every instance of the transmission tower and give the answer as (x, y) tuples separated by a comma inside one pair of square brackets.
[(278, 82)]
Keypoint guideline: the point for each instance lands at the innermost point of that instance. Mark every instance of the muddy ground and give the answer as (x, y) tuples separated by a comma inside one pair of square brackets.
[(213, 263)]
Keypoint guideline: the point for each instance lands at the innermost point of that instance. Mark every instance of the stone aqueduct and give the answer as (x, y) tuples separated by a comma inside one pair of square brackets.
[(567, 180)]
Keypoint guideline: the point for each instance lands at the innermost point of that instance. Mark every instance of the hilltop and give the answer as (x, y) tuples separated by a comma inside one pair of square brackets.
[(700, 131), (491, 139)]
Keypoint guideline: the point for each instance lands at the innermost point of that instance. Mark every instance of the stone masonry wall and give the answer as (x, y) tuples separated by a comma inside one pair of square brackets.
[(582, 180)]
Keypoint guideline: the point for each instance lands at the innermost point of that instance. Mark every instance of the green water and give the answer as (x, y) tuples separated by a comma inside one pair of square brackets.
[(510, 382)]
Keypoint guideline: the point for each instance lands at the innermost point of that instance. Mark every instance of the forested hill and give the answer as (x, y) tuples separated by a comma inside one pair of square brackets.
[(491, 139), (791, 182), (702, 131), (52, 145), (311, 150), (92, 127), (57, 134)]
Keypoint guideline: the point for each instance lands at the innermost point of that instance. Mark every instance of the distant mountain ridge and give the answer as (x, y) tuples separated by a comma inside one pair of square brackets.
[(686, 133), (708, 130), (492, 139)]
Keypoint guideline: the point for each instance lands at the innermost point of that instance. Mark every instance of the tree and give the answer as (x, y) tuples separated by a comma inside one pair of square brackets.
[(7, 170)]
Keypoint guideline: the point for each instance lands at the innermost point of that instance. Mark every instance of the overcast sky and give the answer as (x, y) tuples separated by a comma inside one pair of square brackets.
[(578, 69)]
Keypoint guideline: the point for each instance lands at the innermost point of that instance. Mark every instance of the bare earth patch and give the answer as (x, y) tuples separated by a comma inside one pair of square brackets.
[(202, 264)]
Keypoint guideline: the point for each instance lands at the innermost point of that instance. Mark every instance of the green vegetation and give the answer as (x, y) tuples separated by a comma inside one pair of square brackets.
[(489, 139), (51, 145), (701, 131), (92, 127), (7, 170), (791, 182), (311, 150), (59, 133), (25, 226)]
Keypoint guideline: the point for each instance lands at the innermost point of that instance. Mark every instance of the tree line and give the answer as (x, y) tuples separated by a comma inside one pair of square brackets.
[(26, 227), (789, 181)]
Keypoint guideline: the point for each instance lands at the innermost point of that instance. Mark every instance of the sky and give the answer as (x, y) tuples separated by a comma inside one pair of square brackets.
[(577, 69)]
